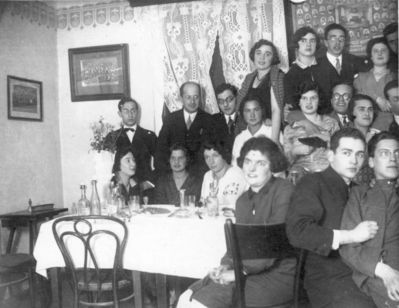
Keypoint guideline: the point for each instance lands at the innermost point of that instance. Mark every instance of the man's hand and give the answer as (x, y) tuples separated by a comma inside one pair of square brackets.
[(390, 277), (364, 231), (216, 273)]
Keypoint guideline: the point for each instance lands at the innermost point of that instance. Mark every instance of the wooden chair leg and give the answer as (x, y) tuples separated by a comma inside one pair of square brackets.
[(32, 289)]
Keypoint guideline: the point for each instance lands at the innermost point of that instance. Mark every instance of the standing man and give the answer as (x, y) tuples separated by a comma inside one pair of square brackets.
[(227, 124), (314, 220), (336, 65), (190, 126), (141, 141), (376, 262), (341, 95), (390, 33)]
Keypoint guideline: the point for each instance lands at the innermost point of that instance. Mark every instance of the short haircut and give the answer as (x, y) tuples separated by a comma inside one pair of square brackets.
[(374, 41), (347, 132), (278, 161), (373, 142), (391, 28), (120, 153), (248, 98), (390, 85), (260, 43), (342, 83), (178, 146), (300, 33), (218, 146), (126, 99), (187, 83), (302, 88), (334, 26), (225, 86), (358, 97)]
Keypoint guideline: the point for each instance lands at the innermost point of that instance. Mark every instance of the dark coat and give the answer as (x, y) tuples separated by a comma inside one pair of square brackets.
[(174, 130), (143, 147)]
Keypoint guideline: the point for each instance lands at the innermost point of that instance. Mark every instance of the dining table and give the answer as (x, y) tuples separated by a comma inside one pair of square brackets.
[(186, 245)]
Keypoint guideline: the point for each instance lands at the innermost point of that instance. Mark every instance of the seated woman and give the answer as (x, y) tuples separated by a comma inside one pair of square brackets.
[(270, 281), (309, 154), (124, 169), (362, 111), (167, 186), (223, 181)]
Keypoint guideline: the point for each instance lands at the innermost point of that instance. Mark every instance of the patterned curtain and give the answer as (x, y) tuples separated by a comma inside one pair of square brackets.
[(242, 24), (190, 31)]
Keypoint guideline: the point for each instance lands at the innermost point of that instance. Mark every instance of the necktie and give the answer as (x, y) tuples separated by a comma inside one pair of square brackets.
[(345, 120), (189, 122), (230, 124), (338, 66)]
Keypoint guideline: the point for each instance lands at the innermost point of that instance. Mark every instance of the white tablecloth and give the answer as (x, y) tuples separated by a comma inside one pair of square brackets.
[(187, 247)]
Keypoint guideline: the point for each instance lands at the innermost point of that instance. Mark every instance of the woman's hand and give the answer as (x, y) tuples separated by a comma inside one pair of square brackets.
[(383, 104), (216, 273), (227, 277), (302, 149)]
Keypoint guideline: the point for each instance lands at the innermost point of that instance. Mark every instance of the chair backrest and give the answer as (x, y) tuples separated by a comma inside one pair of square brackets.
[(248, 242), (85, 242)]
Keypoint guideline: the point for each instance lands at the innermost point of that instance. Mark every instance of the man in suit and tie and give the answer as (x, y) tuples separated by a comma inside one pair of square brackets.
[(140, 140), (227, 124), (314, 224), (337, 65), (190, 126), (341, 95)]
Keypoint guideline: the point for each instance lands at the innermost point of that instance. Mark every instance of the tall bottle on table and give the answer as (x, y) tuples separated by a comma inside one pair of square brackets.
[(83, 203), (95, 204)]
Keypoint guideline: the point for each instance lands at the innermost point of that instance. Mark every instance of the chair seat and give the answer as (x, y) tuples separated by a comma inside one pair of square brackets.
[(105, 278), (17, 262)]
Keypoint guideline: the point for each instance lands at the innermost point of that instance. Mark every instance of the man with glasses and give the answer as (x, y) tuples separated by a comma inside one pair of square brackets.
[(227, 124), (341, 95), (337, 65), (376, 262), (140, 140)]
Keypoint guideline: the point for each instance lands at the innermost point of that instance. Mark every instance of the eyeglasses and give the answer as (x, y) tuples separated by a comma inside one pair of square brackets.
[(345, 96), (385, 154), (334, 39), (228, 100)]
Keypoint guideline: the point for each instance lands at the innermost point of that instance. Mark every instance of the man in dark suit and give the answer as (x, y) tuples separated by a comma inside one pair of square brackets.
[(227, 124), (140, 140), (340, 97), (336, 65), (314, 219), (190, 126)]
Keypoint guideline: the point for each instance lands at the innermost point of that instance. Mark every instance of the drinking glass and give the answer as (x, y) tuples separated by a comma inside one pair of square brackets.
[(191, 201), (134, 204), (212, 206)]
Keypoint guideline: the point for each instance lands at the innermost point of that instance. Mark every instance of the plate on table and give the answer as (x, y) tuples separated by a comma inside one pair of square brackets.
[(158, 209)]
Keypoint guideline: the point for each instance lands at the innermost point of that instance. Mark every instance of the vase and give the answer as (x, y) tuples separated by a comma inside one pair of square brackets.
[(103, 162)]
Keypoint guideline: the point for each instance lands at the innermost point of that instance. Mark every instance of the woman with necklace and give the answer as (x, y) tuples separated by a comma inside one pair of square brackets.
[(266, 82), (306, 141), (223, 181), (168, 186)]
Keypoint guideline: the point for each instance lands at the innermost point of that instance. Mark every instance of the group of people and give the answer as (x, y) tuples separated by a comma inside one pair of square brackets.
[(333, 121)]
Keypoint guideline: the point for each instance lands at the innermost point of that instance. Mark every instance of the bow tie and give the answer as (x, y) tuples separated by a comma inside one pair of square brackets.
[(128, 129)]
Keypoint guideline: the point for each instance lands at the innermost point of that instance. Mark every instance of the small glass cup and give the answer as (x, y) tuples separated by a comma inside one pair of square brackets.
[(212, 206), (134, 204), (191, 201)]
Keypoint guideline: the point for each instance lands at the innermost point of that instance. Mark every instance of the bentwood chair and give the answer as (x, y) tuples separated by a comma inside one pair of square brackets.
[(92, 247), (16, 268), (248, 242)]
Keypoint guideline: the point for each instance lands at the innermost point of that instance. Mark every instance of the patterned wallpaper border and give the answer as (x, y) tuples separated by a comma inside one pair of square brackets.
[(77, 17)]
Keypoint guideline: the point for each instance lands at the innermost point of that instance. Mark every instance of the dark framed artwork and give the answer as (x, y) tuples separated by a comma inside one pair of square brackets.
[(25, 99), (99, 72)]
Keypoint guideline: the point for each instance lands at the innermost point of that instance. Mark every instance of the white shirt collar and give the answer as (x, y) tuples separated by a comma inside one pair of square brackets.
[(396, 118), (232, 116), (191, 115), (303, 65), (333, 59)]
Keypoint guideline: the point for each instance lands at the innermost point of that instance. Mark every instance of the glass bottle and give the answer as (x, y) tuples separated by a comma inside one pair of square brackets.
[(95, 204), (83, 203)]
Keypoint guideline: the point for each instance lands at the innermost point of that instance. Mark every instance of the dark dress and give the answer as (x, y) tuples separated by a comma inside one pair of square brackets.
[(268, 282), (166, 191), (127, 193)]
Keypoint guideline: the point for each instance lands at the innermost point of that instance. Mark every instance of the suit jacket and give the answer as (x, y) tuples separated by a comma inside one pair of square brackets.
[(174, 130), (143, 147), (335, 116), (220, 130)]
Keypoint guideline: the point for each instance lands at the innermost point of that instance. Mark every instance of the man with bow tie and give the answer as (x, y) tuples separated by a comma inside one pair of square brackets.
[(140, 140), (227, 124)]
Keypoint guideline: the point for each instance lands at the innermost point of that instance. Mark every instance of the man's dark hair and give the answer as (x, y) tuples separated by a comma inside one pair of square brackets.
[(374, 41), (390, 85), (347, 132), (278, 161), (391, 28), (252, 97), (225, 86), (373, 142), (334, 26), (181, 90), (358, 97), (258, 44), (126, 99), (219, 147), (300, 33)]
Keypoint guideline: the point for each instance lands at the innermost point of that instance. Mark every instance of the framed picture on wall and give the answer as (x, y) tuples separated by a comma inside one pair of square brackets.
[(99, 72), (25, 99)]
